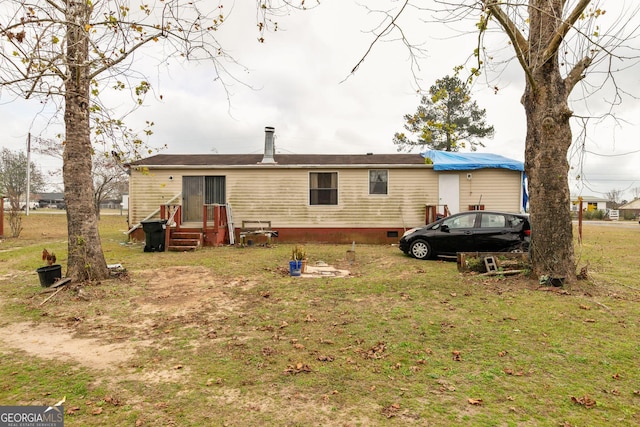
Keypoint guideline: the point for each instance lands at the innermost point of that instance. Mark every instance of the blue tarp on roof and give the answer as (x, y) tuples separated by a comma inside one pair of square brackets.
[(447, 161)]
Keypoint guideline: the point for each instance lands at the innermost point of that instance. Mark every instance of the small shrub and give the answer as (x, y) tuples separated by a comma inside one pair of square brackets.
[(594, 215), (298, 253), (15, 222)]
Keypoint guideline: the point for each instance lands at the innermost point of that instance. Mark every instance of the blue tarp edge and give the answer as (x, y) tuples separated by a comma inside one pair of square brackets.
[(446, 160)]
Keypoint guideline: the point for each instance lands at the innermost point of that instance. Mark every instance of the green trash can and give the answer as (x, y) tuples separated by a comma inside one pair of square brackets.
[(154, 232)]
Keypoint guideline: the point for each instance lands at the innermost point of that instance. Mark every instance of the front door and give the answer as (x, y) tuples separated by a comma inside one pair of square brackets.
[(198, 191), (449, 192)]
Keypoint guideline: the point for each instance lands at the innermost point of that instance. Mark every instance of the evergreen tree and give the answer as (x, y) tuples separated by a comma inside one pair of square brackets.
[(447, 119)]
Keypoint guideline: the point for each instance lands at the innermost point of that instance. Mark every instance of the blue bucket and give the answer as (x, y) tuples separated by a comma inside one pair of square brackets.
[(295, 268)]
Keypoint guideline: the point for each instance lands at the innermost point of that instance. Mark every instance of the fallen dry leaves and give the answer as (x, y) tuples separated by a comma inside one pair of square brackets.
[(585, 401), (268, 351), (297, 369), (325, 358), (391, 410), (376, 352), (72, 410), (112, 400), (445, 386)]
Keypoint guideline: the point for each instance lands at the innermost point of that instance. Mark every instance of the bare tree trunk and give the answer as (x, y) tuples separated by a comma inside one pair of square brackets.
[(547, 144), (85, 259)]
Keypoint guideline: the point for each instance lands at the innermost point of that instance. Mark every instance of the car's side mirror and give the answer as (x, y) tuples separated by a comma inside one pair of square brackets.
[(444, 228)]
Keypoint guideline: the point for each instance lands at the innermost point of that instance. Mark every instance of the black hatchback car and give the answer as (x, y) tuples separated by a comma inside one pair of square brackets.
[(475, 231)]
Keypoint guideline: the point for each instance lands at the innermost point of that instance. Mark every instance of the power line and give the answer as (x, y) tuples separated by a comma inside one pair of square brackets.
[(611, 155)]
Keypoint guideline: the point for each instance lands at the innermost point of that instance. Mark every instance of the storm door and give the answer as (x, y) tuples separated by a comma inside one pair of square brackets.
[(198, 191)]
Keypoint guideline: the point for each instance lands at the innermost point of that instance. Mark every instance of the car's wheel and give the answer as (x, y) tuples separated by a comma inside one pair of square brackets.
[(520, 247), (420, 249)]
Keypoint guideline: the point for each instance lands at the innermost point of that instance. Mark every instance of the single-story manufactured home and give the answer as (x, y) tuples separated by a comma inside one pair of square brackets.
[(631, 209), (589, 203), (338, 198)]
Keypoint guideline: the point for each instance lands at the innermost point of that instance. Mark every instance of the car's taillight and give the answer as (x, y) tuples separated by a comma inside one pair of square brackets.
[(527, 232)]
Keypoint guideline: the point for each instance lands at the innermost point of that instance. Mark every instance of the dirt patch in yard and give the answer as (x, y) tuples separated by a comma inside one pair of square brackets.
[(58, 343), (184, 290), (175, 294)]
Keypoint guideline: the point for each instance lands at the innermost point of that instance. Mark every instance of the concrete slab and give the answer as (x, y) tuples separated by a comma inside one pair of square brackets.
[(322, 269)]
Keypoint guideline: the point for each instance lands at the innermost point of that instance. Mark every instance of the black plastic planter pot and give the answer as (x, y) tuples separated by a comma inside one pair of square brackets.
[(49, 274)]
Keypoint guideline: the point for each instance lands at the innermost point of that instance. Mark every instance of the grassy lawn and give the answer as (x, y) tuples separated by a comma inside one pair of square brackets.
[(224, 337)]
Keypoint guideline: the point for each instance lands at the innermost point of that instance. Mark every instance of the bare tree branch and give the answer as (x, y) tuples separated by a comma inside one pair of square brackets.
[(381, 34), (563, 29), (577, 73), (520, 44)]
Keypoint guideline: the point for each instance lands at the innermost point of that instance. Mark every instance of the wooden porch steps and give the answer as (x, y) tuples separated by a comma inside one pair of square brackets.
[(213, 230), (185, 241)]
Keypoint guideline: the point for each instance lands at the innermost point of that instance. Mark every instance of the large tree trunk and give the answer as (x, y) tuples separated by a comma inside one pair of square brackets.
[(85, 259), (548, 140)]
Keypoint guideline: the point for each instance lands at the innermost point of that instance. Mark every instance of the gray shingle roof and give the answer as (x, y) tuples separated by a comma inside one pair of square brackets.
[(281, 159)]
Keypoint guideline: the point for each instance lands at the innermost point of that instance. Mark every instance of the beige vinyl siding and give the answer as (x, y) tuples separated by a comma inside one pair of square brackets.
[(148, 190), (281, 195), (496, 189)]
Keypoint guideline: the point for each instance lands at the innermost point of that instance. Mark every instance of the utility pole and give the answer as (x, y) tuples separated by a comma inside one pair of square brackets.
[(26, 207)]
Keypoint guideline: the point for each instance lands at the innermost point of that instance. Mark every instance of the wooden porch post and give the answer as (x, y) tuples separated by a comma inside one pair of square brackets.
[(216, 219)]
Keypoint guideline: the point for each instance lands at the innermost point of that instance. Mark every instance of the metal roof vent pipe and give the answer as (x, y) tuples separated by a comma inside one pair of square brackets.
[(269, 146)]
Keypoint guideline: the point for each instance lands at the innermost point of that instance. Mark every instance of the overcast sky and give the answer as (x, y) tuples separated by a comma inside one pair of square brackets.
[(299, 81)]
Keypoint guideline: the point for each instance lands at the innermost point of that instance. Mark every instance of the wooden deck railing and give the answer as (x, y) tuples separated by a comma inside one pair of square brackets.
[(172, 214), (214, 221)]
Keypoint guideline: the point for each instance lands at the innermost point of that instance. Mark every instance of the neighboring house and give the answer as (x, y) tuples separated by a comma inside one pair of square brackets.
[(111, 204), (51, 200), (369, 198), (589, 203), (630, 210)]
